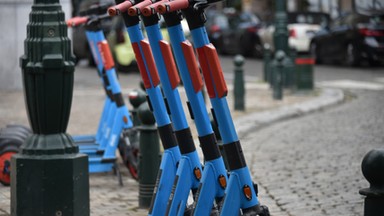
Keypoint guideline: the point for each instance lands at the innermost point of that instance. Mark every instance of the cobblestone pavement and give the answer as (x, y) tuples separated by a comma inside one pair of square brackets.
[(106, 196), (312, 165)]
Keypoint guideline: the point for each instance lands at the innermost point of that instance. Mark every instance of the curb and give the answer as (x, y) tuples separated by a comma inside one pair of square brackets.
[(255, 121)]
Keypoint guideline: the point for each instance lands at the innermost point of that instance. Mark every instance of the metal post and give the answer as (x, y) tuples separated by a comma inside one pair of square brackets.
[(49, 176), (136, 98), (289, 72), (372, 167), (280, 36), (267, 61), (239, 85), (280, 39), (278, 67), (149, 155)]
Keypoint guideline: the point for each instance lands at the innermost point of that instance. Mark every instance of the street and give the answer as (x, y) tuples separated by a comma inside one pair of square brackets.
[(312, 165)]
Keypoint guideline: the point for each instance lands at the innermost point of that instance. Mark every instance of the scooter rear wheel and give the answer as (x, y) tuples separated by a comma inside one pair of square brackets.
[(5, 167)]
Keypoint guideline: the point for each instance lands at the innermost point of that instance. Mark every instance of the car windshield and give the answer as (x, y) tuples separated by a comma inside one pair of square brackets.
[(235, 20), (369, 7), (378, 20), (360, 18), (310, 18)]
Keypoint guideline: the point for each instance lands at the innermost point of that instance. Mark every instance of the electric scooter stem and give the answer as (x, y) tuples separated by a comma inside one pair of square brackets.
[(103, 123), (240, 192), (148, 71), (162, 53), (214, 178), (121, 119)]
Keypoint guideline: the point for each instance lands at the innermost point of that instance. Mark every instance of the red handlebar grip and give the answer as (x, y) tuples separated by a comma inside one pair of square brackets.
[(136, 10), (172, 6), (119, 8), (76, 21), (152, 9), (148, 11)]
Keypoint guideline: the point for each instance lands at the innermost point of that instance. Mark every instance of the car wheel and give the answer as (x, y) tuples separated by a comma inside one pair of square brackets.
[(350, 57), (314, 53)]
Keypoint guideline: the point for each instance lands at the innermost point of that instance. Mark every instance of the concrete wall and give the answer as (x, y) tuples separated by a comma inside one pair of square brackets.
[(14, 17)]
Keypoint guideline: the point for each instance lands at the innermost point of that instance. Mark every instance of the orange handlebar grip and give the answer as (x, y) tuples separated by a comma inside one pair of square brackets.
[(136, 10), (152, 9), (172, 6), (76, 21), (119, 8)]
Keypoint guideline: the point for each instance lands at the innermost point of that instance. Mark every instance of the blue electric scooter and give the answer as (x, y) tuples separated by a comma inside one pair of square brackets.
[(102, 156), (240, 194), (214, 175), (151, 80)]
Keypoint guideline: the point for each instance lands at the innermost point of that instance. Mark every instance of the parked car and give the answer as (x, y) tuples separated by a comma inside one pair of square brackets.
[(351, 39), (302, 26), (234, 32)]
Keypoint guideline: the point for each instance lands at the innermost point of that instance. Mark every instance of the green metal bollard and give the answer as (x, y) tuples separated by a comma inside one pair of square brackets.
[(239, 85), (289, 72), (289, 75), (281, 34), (136, 97), (49, 176), (372, 167), (278, 70), (280, 40), (149, 156), (267, 57), (304, 72)]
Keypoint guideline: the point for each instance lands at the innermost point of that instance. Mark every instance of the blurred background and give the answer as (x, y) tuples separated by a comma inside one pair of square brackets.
[(332, 31), (342, 32)]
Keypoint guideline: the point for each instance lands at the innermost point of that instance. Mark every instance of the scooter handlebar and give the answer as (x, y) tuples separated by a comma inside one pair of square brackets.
[(152, 9), (119, 8), (76, 21), (136, 10), (172, 6)]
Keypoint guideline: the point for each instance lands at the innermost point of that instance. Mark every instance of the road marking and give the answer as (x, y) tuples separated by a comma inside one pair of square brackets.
[(352, 84)]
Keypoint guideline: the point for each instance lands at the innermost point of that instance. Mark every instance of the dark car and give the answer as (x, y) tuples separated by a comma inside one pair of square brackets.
[(351, 39), (234, 32)]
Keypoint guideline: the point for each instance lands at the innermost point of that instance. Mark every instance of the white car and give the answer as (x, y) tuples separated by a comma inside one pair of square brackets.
[(301, 28)]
